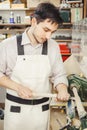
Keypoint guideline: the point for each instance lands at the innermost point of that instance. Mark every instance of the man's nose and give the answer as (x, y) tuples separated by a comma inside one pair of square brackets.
[(48, 35)]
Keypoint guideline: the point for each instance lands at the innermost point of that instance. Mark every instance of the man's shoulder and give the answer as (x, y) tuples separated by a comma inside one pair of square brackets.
[(53, 44), (8, 42), (8, 45)]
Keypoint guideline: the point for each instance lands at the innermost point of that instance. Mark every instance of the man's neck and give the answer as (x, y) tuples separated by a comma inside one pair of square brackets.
[(32, 38)]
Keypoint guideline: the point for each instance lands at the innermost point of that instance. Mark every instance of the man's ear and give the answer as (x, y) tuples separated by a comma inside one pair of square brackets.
[(34, 21)]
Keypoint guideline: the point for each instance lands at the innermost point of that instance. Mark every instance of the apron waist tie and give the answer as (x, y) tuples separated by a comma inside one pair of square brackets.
[(26, 101)]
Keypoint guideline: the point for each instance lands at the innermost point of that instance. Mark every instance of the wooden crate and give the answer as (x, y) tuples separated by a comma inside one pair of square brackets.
[(17, 6)]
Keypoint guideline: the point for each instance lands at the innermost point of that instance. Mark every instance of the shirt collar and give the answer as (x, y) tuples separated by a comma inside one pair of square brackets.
[(25, 38)]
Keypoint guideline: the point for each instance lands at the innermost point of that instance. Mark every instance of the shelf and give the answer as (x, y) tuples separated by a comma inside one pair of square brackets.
[(67, 23), (13, 28), (69, 8), (21, 9), (14, 24), (5, 31), (74, 2), (64, 29), (76, 41), (65, 54), (63, 40)]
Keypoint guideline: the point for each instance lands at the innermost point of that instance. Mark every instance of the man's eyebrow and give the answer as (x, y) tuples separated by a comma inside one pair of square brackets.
[(46, 28), (50, 29), (54, 31)]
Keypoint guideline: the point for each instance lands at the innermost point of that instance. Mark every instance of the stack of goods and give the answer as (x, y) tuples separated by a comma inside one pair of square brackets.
[(65, 50)]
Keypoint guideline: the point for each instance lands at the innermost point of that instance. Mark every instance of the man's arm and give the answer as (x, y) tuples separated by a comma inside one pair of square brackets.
[(6, 82), (58, 77), (22, 91)]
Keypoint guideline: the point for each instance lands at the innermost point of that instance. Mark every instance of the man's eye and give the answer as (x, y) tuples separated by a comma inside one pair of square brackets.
[(46, 30), (53, 31)]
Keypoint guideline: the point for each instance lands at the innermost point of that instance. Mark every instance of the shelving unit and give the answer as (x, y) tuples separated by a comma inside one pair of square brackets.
[(6, 27), (64, 39), (56, 106), (77, 13), (66, 27)]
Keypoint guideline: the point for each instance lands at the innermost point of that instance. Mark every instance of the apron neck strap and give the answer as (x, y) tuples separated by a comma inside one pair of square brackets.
[(45, 48), (19, 46)]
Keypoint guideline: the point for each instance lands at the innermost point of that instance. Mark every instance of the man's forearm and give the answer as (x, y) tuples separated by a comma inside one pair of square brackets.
[(23, 91), (8, 83)]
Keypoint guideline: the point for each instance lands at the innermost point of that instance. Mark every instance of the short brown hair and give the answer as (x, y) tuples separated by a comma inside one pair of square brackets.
[(47, 10)]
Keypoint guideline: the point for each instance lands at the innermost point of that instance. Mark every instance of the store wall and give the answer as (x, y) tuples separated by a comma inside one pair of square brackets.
[(6, 15)]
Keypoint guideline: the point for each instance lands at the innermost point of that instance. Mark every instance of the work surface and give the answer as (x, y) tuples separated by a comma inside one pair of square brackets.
[(1, 124)]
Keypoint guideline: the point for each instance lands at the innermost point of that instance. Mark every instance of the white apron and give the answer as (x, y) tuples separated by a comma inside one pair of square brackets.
[(32, 71)]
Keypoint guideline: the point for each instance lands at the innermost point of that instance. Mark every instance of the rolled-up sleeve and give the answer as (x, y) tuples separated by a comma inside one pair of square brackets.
[(58, 74), (2, 59)]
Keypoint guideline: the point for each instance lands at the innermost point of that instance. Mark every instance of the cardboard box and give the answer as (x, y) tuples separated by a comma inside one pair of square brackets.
[(55, 2), (5, 5), (34, 3), (17, 6)]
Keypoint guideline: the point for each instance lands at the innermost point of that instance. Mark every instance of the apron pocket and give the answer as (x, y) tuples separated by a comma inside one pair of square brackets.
[(15, 109), (45, 107)]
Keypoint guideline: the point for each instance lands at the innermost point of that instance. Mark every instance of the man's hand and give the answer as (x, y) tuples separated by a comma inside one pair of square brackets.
[(24, 92), (63, 94)]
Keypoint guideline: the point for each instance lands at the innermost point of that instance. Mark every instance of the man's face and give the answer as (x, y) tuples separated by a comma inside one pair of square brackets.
[(43, 30)]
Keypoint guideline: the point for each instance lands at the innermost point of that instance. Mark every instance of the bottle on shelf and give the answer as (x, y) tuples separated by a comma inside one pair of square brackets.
[(11, 20), (18, 19)]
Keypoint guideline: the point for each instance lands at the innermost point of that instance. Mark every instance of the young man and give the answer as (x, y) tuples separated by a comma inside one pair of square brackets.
[(28, 64)]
